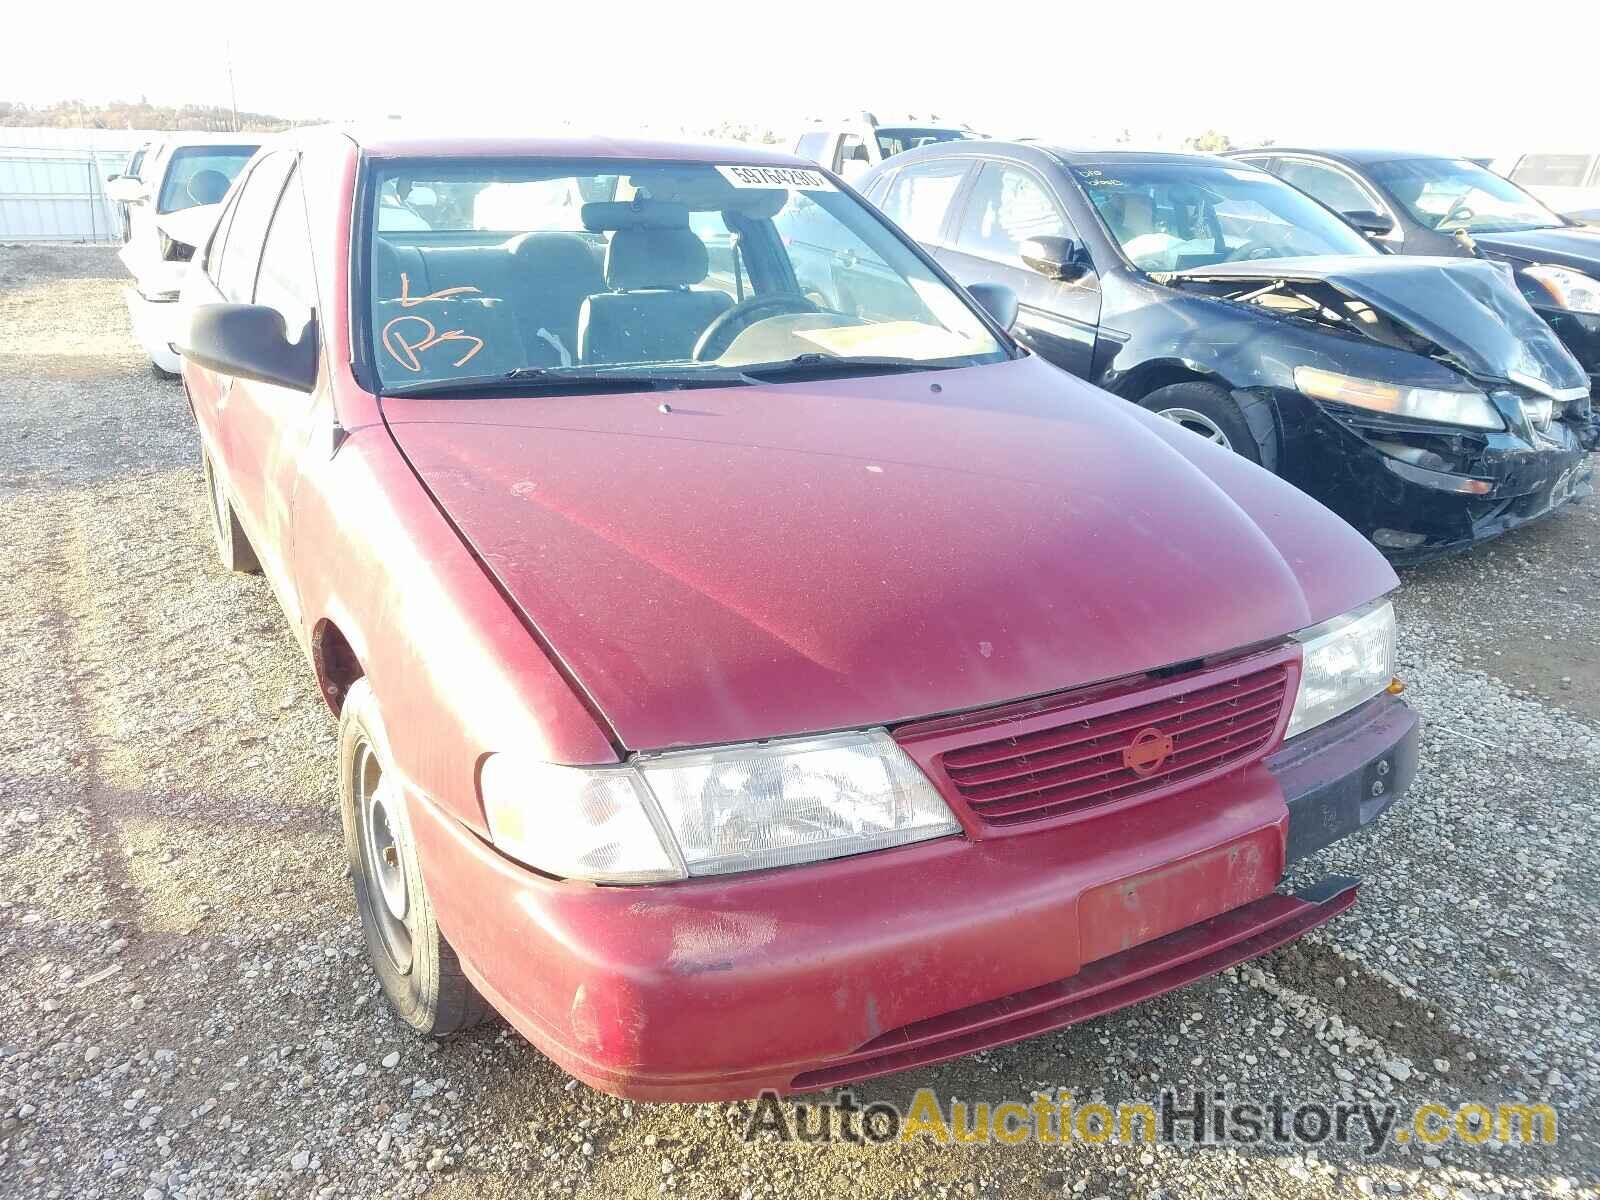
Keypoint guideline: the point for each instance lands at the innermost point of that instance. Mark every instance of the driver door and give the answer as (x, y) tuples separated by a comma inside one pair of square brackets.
[(1007, 205)]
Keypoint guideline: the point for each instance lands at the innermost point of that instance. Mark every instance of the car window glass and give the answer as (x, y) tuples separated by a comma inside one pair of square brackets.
[(285, 281), (1009, 205), (678, 265), (1456, 194), (198, 175), (920, 197), (241, 254), (1327, 184), (1551, 170), (852, 149), (1171, 216), (219, 239), (811, 145)]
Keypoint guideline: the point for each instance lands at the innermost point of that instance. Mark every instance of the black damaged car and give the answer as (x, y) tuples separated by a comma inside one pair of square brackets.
[(1420, 399), (1426, 204)]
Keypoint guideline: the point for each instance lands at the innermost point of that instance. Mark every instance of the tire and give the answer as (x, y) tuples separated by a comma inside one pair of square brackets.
[(1209, 411), (420, 973), (233, 547), (163, 374)]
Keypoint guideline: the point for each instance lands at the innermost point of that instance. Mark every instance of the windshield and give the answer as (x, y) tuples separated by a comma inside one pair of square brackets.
[(1173, 216), (899, 140), (198, 175), (576, 268), (1447, 194)]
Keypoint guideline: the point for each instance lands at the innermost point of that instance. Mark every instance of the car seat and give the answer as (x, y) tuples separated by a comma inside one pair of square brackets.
[(207, 186), (652, 313), (552, 275)]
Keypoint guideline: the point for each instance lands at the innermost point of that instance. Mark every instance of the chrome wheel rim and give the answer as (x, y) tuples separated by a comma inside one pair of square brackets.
[(1198, 423), (382, 859)]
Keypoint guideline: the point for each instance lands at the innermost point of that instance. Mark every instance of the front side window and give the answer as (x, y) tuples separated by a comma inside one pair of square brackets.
[(198, 175), (247, 229), (919, 199), (1327, 184), (1451, 194), (1009, 205), (285, 280), (1552, 170), (1177, 215), (567, 269)]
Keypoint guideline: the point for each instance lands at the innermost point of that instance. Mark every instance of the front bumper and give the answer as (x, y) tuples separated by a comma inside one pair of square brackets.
[(810, 976), (157, 326), (1416, 510)]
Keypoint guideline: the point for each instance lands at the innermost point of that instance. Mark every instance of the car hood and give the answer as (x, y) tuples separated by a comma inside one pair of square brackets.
[(1577, 247), (1469, 308), (770, 560)]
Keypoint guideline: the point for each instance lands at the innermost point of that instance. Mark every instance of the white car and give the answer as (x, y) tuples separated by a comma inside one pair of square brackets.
[(173, 191), (1568, 183), (852, 148)]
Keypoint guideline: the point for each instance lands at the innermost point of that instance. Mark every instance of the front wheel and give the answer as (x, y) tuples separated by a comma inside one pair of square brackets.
[(420, 973), (1209, 411)]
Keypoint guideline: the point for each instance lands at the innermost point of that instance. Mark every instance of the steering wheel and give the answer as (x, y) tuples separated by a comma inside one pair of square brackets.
[(719, 335), (1257, 249), (1458, 211)]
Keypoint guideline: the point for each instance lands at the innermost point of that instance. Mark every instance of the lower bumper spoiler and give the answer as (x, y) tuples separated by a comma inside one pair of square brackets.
[(1129, 977)]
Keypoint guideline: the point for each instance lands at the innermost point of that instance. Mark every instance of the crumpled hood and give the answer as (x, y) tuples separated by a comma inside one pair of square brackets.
[(191, 226), (1469, 308), (1577, 247), (771, 560)]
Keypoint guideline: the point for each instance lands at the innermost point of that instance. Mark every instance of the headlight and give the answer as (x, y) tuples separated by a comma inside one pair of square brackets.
[(1468, 406), (1344, 661), (1571, 290), (710, 812)]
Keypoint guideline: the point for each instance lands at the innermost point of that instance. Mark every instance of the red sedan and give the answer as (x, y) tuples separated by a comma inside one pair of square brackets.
[(754, 669)]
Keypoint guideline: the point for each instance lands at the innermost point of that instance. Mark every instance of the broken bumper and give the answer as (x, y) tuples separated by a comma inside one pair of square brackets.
[(1418, 490), (157, 325), (805, 977)]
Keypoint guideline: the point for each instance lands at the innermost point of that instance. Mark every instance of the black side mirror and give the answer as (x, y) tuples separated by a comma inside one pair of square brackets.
[(1058, 258), (1373, 224), (996, 299), (249, 341)]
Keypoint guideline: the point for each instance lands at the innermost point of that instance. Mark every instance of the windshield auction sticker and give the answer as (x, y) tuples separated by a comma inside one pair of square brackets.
[(771, 177)]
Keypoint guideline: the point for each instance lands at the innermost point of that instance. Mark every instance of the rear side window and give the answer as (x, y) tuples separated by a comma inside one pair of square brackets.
[(1327, 184), (920, 196), (813, 145), (286, 282), (1552, 170), (241, 253), (1009, 205), (200, 175)]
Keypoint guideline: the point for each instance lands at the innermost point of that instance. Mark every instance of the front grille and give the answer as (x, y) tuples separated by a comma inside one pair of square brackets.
[(1080, 764)]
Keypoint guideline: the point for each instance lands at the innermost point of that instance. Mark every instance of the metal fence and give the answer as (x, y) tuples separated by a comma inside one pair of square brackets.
[(52, 183)]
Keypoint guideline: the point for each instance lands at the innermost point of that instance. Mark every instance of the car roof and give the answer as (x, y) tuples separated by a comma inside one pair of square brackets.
[(393, 140), (1089, 156), (1354, 157)]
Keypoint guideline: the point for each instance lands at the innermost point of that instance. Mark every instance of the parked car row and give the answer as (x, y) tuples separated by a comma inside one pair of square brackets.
[(754, 666), (759, 662), (1422, 399)]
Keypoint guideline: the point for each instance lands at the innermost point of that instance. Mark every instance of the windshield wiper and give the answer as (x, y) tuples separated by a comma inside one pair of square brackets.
[(576, 378), (812, 365)]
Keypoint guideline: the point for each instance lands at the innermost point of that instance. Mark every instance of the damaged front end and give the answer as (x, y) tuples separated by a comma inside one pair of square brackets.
[(1490, 430)]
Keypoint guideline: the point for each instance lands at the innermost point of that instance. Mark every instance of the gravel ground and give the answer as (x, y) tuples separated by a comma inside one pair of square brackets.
[(185, 1010)]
